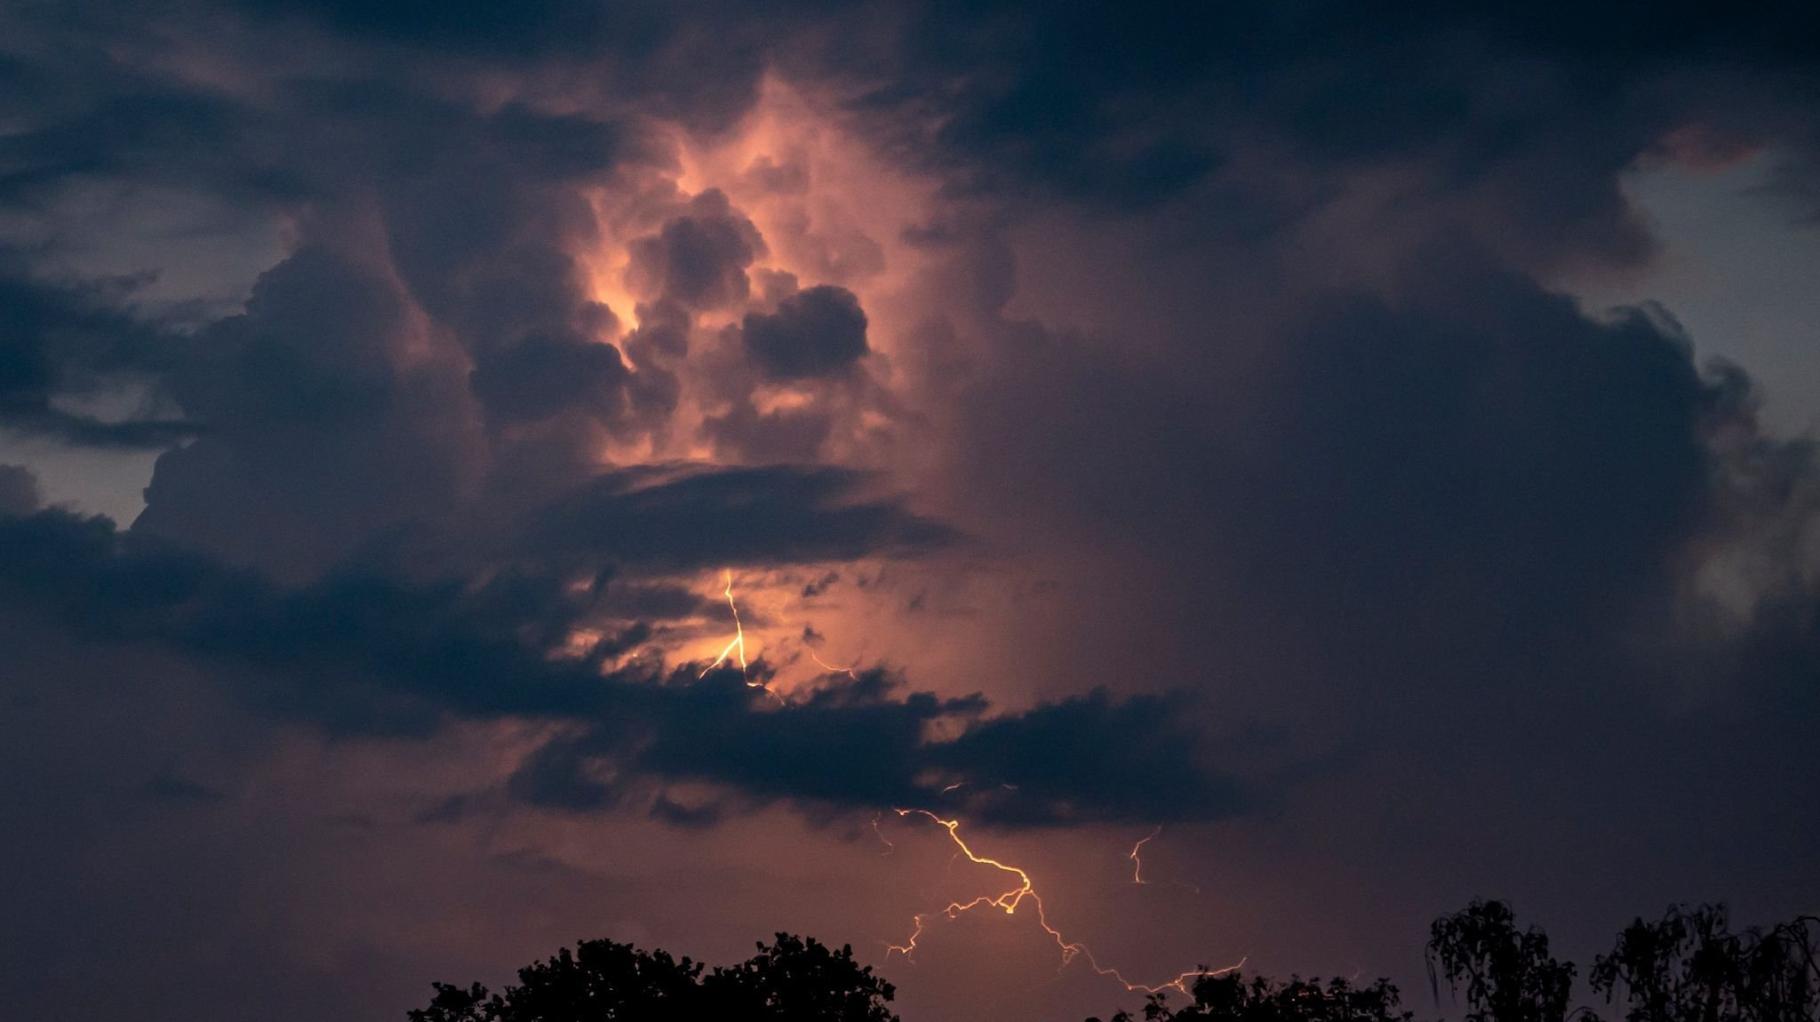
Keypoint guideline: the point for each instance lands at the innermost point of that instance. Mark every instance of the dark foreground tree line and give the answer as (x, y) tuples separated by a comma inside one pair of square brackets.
[(1688, 966)]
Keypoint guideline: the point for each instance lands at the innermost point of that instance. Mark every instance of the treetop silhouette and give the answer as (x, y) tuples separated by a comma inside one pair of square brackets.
[(791, 980), (1689, 966)]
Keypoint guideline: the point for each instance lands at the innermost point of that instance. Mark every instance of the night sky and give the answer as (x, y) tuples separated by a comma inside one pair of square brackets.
[(1364, 452)]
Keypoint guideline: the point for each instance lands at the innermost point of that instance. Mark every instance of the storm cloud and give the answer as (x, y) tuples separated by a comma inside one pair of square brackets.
[(813, 333), (572, 440), (358, 654)]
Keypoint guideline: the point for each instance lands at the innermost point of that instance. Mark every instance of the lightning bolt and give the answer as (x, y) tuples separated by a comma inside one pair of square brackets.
[(830, 668), (738, 643), (1137, 864), (1010, 900)]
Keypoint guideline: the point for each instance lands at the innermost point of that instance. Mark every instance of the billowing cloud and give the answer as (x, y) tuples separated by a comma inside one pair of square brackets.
[(817, 332), (699, 258)]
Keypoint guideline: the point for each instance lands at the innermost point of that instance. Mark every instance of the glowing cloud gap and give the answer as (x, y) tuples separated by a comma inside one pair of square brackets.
[(1026, 891)]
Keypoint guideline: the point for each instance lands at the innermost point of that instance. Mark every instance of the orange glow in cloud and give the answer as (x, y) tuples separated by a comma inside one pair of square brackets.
[(830, 212), (773, 594)]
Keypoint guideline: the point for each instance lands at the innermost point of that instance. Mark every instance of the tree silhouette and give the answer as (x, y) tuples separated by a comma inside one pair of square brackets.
[(1686, 967), (1508, 974), (792, 980), (1690, 967), (796, 979), (1228, 997)]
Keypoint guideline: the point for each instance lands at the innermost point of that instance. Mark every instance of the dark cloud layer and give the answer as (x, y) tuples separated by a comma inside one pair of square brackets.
[(358, 654), (67, 342), (18, 490), (1535, 108), (683, 518)]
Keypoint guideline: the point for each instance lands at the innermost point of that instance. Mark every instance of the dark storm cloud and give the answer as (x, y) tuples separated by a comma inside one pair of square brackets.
[(83, 118), (686, 517), (18, 491), (1374, 488), (1072, 756), (1473, 457), (699, 61), (87, 119), (783, 435), (1474, 471), (1529, 113), (817, 332), (543, 374), (473, 207), (1485, 439), (411, 199), (860, 743), (1470, 542), (698, 259), (358, 654), (854, 743), (317, 426), (65, 342), (1532, 112)]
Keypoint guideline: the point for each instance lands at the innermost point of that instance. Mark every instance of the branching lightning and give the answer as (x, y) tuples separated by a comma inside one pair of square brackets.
[(1010, 900), (738, 644), (735, 648)]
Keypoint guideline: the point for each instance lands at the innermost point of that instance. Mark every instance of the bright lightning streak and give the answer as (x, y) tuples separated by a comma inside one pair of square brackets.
[(1009, 900), (1137, 864), (738, 645), (831, 669)]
